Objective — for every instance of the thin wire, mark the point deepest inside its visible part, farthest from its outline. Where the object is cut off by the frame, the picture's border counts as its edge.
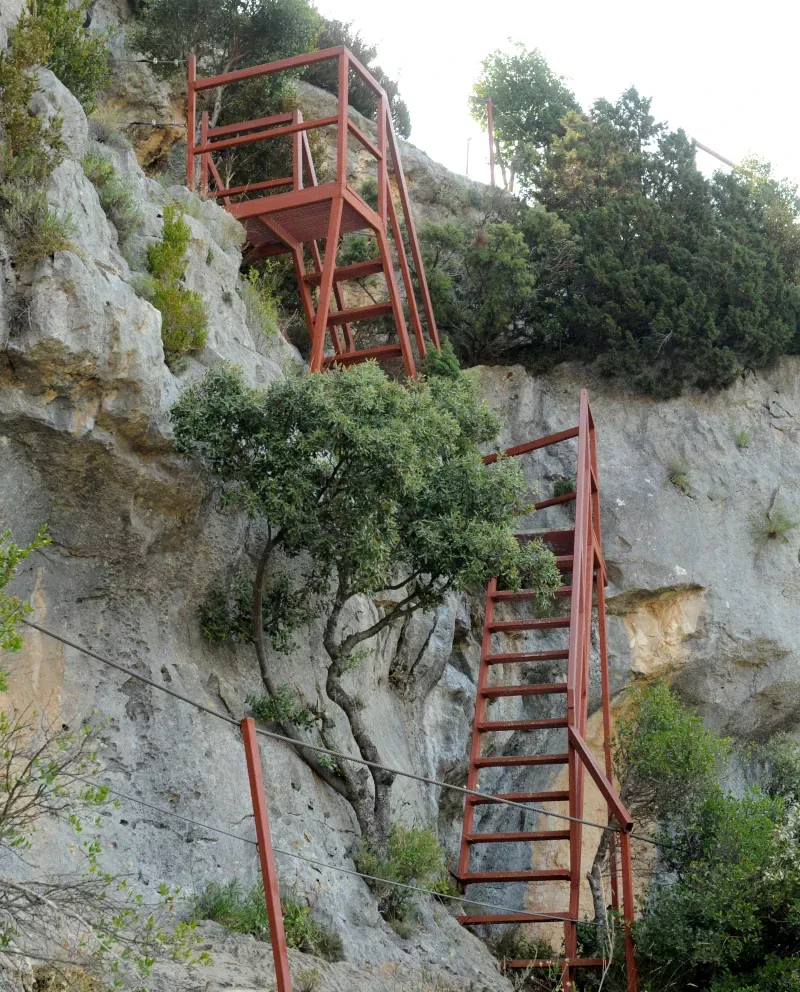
(345, 871)
(271, 735)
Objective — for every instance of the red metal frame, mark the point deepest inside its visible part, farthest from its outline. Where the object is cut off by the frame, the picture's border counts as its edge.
(294, 215)
(266, 856)
(579, 553)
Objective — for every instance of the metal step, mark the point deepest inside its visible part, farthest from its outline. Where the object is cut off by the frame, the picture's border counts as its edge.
(346, 273)
(550, 723)
(514, 760)
(544, 623)
(555, 963)
(555, 501)
(522, 595)
(545, 916)
(359, 313)
(539, 689)
(530, 875)
(350, 357)
(513, 838)
(553, 796)
(515, 657)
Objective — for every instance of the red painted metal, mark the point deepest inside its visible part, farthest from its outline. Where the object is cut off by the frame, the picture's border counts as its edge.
(266, 856)
(579, 552)
(309, 212)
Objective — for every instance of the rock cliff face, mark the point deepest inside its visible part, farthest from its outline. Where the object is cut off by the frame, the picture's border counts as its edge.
(699, 591)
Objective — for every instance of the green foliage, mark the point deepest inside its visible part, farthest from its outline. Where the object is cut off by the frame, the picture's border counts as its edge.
(563, 486)
(782, 757)
(37, 230)
(357, 248)
(246, 912)
(225, 617)
(666, 759)
(529, 103)
(184, 319)
(742, 438)
(679, 476)
(283, 706)
(258, 292)
(666, 278)
(116, 196)
(414, 857)
(515, 944)
(772, 525)
(441, 362)
(13, 609)
(369, 477)
(78, 58)
(363, 99)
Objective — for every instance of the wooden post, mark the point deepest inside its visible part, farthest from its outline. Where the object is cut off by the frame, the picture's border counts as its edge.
(269, 875)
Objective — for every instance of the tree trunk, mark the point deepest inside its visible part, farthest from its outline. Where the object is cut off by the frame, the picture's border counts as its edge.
(326, 774)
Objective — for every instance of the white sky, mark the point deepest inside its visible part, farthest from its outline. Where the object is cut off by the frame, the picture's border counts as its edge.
(726, 72)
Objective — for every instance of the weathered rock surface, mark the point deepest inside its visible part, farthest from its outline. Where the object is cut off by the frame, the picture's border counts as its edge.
(698, 591)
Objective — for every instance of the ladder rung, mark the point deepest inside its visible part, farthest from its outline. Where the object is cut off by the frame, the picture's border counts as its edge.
(544, 623)
(559, 541)
(544, 917)
(556, 963)
(539, 689)
(359, 313)
(558, 796)
(565, 562)
(345, 273)
(512, 657)
(522, 595)
(555, 501)
(512, 838)
(550, 723)
(512, 760)
(530, 875)
(350, 357)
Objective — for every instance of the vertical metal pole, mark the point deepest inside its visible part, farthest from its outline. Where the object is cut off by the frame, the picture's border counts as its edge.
(627, 910)
(383, 164)
(190, 122)
(269, 875)
(297, 153)
(490, 118)
(341, 136)
(205, 156)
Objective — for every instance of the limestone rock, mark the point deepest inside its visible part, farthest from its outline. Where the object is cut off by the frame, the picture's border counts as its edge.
(53, 98)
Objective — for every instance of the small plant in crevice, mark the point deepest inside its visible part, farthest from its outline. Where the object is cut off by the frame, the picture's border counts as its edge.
(285, 704)
(564, 485)
(307, 980)
(184, 318)
(38, 230)
(679, 476)
(58, 978)
(257, 291)
(244, 911)
(772, 525)
(414, 857)
(116, 196)
(742, 438)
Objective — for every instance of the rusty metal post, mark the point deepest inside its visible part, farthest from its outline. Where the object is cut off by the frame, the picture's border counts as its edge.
(269, 875)
(490, 119)
(627, 910)
(206, 156)
(191, 121)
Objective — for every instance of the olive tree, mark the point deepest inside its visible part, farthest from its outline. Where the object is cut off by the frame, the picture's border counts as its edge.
(372, 487)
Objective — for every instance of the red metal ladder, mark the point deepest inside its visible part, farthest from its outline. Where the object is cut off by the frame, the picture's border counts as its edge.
(578, 553)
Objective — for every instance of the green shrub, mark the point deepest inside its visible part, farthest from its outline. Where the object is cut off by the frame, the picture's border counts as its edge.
(116, 196)
(257, 291)
(184, 319)
(284, 705)
(514, 944)
(678, 475)
(78, 58)
(742, 438)
(562, 486)
(414, 857)
(246, 912)
(782, 757)
(37, 229)
(772, 525)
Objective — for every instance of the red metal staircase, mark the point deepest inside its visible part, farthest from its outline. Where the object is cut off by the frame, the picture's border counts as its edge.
(291, 214)
(579, 555)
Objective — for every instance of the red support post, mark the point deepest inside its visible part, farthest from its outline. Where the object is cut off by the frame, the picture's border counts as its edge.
(269, 876)
(205, 158)
(191, 122)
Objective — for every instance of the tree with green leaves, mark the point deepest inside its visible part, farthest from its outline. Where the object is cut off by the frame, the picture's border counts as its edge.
(364, 486)
(529, 101)
(13, 610)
